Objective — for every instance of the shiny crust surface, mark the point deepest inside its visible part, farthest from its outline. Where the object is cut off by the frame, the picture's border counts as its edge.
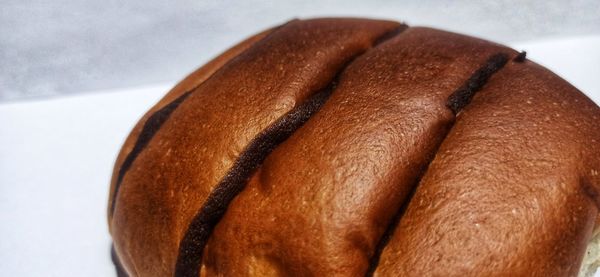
(186, 85)
(199, 142)
(511, 191)
(341, 177)
(379, 171)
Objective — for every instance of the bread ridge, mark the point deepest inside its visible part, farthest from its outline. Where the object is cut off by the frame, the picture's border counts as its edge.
(261, 182)
(290, 50)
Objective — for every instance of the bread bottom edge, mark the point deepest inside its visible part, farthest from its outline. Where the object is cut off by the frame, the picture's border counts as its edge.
(591, 259)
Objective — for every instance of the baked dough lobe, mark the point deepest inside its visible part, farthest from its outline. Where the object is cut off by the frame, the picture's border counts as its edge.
(349, 147)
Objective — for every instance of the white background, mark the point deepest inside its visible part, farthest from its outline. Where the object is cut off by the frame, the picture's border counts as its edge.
(58, 47)
(56, 157)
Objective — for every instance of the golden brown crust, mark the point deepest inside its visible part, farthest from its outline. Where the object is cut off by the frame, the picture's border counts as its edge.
(188, 83)
(196, 146)
(512, 190)
(505, 194)
(341, 177)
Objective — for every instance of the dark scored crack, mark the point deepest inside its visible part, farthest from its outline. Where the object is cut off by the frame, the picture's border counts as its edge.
(156, 120)
(389, 231)
(151, 126)
(520, 57)
(389, 35)
(463, 95)
(192, 245)
(199, 230)
(456, 102)
(590, 191)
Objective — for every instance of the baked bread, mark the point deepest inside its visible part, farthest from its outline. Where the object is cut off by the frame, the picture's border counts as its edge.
(351, 147)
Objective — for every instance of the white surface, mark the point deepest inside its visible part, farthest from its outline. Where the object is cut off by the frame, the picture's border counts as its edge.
(62, 47)
(56, 157)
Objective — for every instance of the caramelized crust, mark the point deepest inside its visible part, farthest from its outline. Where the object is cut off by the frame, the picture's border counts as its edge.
(505, 194)
(196, 146)
(186, 85)
(341, 177)
(349, 147)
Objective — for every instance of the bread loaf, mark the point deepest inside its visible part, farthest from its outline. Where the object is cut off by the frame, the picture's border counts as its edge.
(353, 147)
